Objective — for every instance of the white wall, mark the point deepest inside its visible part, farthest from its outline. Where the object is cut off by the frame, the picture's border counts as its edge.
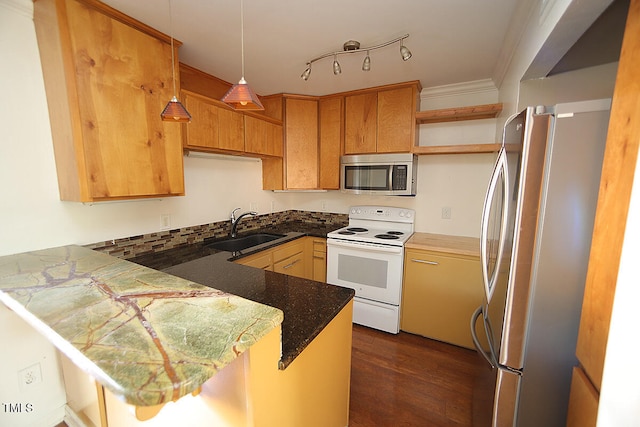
(33, 216)
(620, 392)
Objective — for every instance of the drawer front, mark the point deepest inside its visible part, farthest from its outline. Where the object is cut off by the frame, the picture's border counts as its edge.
(440, 294)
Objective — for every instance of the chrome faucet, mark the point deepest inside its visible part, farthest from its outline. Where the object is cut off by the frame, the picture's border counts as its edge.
(235, 220)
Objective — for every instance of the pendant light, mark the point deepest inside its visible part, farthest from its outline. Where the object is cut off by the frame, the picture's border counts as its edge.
(241, 96)
(174, 111)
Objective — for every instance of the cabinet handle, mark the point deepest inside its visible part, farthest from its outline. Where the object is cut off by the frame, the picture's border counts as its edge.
(422, 261)
(292, 264)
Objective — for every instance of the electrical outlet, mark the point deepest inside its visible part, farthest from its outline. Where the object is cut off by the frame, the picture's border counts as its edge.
(253, 206)
(446, 212)
(165, 222)
(30, 376)
(323, 205)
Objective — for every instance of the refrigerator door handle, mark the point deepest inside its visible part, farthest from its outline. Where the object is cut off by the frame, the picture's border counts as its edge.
(474, 336)
(500, 169)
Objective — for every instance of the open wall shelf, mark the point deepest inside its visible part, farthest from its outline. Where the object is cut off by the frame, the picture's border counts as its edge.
(474, 112)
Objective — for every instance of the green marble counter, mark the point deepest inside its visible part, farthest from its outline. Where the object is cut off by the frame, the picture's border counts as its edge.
(147, 336)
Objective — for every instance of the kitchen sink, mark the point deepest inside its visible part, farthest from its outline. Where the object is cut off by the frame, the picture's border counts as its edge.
(241, 243)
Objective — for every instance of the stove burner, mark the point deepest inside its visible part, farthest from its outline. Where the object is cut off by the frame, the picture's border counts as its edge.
(386, 236)
(346, 232)
(395, 233)
(357, 229)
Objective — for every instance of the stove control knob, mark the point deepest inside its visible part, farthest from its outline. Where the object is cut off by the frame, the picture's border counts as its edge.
(408, 214)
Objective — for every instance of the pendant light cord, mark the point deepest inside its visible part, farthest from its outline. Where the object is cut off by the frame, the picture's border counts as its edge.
(173, 61)
(242, 34)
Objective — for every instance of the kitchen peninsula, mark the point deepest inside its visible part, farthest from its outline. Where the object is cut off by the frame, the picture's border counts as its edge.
(149, 338)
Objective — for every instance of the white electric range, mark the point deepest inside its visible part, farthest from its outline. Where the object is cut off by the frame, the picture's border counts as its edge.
(368, 256)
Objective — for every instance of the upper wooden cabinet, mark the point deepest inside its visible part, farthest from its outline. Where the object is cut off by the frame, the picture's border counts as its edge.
(262, 136)
(214, 125)
(381, 120)
(331, 134)
(301, 143)
(107, 79)
(312, 145)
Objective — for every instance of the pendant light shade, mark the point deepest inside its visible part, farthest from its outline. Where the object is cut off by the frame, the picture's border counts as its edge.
(241, 96)
(174, 111)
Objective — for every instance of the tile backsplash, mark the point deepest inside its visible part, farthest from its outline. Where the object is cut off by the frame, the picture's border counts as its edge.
(130, 247)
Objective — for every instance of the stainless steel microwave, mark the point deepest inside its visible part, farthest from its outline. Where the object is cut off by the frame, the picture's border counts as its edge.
(383, 174)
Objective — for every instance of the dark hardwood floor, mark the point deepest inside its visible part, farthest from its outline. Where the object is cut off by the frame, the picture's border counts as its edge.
(408, 380)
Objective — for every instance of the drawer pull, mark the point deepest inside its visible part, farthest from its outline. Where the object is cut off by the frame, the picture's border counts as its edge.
(292, 264)
(422, 261)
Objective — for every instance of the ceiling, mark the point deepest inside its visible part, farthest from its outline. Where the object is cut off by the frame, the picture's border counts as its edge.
(452, 41)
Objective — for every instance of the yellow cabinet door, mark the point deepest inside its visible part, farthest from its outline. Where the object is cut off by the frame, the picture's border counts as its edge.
(292, 266)
(262, 259)
(441, 292)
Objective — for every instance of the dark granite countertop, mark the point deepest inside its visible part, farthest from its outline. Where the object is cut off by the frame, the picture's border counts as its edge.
(308, 305)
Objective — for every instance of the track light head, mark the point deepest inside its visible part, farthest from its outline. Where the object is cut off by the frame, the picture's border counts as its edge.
(366, 64)
(336, 66)
(305, 75)
(404, 51)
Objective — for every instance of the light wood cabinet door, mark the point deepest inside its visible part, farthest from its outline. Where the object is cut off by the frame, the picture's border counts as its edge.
(291, 266)
(262, 136)
(396, 120)
(107, 82)
(331, 131)
(262, 260)
(301, 143)
(360, 123)
(214, 127)
(441, 292)
(319, 259)
(290, 258)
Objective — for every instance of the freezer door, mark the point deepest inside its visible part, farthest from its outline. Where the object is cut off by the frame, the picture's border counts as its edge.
(506, 398)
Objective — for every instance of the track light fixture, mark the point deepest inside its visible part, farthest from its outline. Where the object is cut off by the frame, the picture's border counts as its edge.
(353, 46)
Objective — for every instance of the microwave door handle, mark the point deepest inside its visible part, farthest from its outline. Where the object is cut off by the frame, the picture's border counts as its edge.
(390, 183)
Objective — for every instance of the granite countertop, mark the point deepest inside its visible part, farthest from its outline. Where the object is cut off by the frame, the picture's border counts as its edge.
(308, 305)
(148, 337)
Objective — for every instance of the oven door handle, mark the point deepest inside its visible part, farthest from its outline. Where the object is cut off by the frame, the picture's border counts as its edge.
(365, 246)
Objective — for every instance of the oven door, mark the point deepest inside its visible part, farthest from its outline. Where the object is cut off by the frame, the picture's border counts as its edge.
(373, 271)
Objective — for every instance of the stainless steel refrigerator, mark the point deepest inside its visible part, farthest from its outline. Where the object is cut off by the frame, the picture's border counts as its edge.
(535, 240)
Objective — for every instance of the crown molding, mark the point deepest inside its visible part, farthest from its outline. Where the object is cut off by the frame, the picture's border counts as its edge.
(459, 89)
(23, 7)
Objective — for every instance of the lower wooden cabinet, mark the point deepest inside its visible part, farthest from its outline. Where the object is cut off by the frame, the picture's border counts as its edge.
(261, 260)
(319, 259)
(441, 292)
(305, 257)
(290, 259)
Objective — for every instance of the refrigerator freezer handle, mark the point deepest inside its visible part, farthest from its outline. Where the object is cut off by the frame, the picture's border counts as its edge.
(474, 336)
